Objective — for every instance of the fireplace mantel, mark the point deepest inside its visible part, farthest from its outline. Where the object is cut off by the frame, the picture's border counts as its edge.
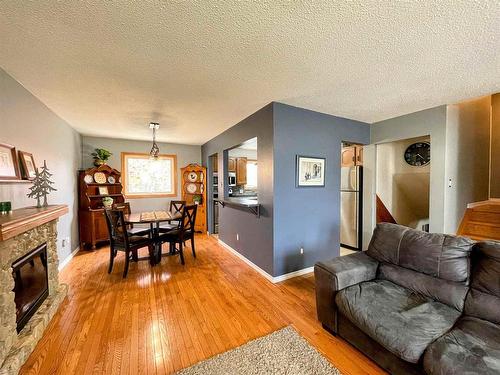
(21, 232)
(24, 219)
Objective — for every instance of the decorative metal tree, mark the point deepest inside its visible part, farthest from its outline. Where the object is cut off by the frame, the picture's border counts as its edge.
(36, 190)
(41, 185)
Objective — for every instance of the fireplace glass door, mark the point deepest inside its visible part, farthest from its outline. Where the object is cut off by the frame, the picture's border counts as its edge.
(30, 284)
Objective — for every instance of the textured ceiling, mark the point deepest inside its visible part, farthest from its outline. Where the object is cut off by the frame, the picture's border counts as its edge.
(198, 67)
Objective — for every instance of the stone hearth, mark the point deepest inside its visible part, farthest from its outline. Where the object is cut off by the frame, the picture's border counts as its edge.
(27, 229)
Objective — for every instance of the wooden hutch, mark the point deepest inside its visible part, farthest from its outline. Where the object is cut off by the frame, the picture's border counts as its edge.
(194, 187)
(95, 184)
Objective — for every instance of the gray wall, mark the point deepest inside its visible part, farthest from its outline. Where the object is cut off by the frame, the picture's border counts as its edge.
(428, 122)
(30, 126)
(186, 154)
(255, 234)
(308, 217)
(467, 158)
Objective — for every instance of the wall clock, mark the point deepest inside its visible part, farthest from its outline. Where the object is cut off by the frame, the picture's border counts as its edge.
(418, 154)
(192, 176)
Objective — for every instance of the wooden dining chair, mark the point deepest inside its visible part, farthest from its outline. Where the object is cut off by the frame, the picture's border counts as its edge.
(133, 231)
(184, 232)
(175, 208)
(120, 239)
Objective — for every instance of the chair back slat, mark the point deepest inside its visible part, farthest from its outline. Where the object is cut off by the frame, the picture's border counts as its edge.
(117, 228)
(188, 219)
(177, 206)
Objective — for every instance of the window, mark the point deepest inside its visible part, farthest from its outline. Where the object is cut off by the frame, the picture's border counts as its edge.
(251, 175)
(144, 177)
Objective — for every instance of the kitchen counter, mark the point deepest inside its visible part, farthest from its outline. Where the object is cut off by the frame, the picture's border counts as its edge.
(252, 204)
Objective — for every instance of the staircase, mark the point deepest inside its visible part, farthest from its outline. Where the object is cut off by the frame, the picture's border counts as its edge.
(481, 221)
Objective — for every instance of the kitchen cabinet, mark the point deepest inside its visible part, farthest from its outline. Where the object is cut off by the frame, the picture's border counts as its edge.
(241, 171)
(348, 158)
(231, 165)
(352, 156)
(359, 155)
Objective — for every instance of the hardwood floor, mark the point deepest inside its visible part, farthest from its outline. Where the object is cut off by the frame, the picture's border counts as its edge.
(162, 319)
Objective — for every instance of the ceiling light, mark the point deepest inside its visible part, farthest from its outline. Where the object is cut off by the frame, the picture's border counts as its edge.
(155, 150)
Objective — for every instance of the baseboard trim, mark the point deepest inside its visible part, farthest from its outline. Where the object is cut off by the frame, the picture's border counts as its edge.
(272, 279)
(290, 275)
(66, 261)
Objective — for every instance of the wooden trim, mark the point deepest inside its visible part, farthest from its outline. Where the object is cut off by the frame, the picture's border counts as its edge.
(14, 161)
(24, 219)
(483, 203)
(148, 195)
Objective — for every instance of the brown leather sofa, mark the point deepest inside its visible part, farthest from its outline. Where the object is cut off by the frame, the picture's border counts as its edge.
(416, 302)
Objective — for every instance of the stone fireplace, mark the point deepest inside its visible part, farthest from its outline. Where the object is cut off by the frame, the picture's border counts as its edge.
(30, 292)
(31, 284)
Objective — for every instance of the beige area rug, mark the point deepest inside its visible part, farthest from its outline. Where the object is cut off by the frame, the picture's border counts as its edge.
(281, 352)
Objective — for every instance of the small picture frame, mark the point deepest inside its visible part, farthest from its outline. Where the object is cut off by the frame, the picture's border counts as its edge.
(9, 169)
(310, 171)
(103, 190)
(28, 166)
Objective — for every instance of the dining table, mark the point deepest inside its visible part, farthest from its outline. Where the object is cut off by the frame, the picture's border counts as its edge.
(154, 219)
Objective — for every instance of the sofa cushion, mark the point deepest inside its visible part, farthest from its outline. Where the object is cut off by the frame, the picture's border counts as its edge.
(438, 255)
(451, 293)
(403, 322)
(483, 301)
(471, 347)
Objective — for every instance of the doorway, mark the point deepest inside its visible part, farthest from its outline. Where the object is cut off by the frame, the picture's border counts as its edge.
(351, 197)
(403, 182)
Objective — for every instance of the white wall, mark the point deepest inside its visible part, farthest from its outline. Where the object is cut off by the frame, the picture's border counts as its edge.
(467, 158)
(431, 122)
(27, 124)
(186, 154)
(404, 189)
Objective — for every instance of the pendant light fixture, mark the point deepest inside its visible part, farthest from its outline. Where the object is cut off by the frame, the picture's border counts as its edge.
(155, 150)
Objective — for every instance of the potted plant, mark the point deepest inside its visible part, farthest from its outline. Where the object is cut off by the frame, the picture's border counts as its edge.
(107, 202)
(197, 199)
(100, 156)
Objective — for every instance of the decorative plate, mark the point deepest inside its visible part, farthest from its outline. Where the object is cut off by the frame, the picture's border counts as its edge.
(111, 180)
(191, 188)
(192, 176)
(100, 177)
(88, 179)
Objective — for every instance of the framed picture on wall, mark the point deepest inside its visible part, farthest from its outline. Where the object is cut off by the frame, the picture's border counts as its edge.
(28, 167)
(8, 163)
(310, 171)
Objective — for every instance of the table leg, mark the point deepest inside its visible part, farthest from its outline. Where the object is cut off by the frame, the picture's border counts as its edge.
(158, 243)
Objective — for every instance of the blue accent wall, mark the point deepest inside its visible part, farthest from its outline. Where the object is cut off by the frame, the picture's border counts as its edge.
(255, 233)
(291, 217)
(308, 217)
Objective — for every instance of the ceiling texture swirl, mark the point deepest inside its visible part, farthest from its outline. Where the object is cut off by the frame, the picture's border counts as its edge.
(199, 67)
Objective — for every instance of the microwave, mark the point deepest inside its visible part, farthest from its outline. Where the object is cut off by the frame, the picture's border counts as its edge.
(231, 179)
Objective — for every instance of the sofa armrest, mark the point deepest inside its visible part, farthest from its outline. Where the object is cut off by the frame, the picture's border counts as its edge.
(337, 274)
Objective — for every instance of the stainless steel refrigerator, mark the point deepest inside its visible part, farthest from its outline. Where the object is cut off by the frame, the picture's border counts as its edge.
(351, 207)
